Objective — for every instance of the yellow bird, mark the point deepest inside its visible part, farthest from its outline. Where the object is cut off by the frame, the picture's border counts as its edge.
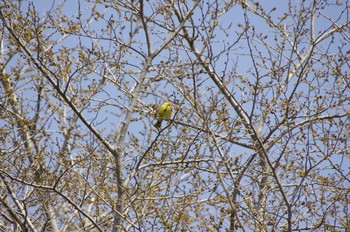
(164, 112)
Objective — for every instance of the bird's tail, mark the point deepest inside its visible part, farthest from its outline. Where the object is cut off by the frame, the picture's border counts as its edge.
(158, 124)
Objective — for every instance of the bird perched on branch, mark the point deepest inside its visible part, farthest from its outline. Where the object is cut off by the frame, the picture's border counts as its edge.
(164, 112)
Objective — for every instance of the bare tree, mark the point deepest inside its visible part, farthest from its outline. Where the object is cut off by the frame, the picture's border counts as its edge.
(258, 139)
